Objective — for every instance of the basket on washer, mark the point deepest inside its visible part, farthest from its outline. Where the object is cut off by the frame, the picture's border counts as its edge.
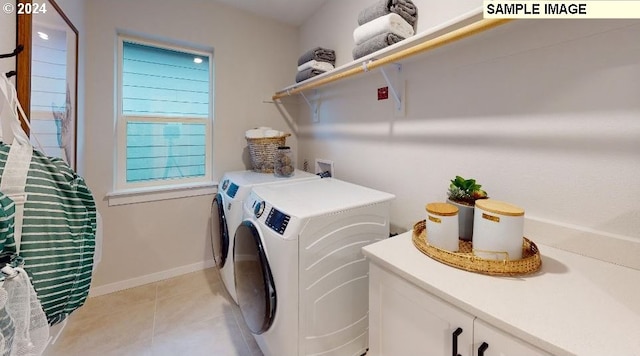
(263, 150)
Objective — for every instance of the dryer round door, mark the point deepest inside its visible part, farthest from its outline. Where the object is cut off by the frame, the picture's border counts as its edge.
(219, 232)
(254, 282)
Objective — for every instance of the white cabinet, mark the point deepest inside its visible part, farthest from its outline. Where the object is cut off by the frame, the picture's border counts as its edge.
(407, 320)
(500, 343)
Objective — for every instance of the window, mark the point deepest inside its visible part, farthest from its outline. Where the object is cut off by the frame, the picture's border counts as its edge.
(164, 128)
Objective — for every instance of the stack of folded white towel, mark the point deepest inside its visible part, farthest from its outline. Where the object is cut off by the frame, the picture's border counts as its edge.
(382, 24)
(315, 62)
(263, 132)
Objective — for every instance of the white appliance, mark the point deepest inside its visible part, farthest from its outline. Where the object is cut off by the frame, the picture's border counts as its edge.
(226, 215)
(301, 278)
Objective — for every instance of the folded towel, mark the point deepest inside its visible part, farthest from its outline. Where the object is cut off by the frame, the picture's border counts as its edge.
(404, 8)
(325, 66)
(307, 73)
(319, 54)
(390, 23)
(376, 43)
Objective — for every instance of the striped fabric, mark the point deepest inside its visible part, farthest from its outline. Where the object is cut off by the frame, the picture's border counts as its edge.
(7, 223)
(58, 234)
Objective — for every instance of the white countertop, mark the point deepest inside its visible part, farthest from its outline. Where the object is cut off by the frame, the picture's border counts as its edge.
(574, 305)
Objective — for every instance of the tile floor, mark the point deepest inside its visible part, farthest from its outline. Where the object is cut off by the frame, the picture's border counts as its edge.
(190, 315)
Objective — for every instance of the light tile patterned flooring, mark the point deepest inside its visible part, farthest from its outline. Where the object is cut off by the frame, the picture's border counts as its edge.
(189, 315)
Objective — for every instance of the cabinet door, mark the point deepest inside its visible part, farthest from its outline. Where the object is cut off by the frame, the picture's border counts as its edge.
(406, 320)
(500, 343)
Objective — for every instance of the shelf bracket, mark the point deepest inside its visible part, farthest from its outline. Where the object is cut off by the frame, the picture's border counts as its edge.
(312, 107)
(396, 87)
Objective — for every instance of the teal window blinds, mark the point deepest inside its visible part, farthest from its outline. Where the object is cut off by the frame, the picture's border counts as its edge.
(165, 102)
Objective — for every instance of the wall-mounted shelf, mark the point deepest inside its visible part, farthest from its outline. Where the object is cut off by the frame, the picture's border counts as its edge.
(464, 26)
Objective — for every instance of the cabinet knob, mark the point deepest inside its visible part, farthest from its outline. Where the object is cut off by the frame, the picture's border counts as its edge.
(454, 342)
(483, 347)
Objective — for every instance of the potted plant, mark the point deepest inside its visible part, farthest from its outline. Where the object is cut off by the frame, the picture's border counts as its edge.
(463, 193)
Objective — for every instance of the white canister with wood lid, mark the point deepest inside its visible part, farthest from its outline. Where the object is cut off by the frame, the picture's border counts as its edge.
(442, 226)
(497, 230)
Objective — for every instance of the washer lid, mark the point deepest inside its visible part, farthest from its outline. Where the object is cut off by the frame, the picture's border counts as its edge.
(244, 178)
(317, 197)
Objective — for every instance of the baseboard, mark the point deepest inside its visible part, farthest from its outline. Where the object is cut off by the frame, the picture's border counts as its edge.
(149, 278)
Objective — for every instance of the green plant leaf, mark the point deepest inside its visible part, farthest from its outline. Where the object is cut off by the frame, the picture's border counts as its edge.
(466, 189)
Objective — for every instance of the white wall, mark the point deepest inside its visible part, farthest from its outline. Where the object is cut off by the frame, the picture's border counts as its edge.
(8, 38)
(252, 57)
(544, 114)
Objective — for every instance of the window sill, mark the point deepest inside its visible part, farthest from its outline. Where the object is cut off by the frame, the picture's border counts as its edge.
(145, 195)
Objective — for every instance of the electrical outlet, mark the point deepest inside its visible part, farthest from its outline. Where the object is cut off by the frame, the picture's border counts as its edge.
(383, 93)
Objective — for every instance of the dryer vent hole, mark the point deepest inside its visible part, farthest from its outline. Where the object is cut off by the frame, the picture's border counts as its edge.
(324, 168)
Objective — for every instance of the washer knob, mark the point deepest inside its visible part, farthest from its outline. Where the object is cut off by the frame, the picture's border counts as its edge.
(259, 209)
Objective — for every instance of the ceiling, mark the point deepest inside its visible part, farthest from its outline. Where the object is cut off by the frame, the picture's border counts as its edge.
(292, 12)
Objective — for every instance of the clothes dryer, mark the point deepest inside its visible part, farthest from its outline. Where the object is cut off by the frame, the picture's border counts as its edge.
(301, 278)
(226, 215)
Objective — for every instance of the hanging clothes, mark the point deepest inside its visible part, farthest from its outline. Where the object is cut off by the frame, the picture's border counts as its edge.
(55, 217)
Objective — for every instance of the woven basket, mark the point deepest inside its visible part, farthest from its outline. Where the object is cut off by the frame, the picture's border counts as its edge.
(466, 260)
(263, 150)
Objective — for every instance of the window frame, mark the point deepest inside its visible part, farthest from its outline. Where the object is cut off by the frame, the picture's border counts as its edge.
(134, 192)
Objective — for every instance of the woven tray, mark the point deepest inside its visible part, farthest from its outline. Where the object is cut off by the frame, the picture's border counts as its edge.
(466, 260)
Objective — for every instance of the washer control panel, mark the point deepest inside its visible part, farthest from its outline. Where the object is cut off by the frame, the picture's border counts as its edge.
(277, 221)
(233, 189)
(272, 219)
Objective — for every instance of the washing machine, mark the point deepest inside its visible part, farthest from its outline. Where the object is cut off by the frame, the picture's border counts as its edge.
(301, 278)
(226, 215)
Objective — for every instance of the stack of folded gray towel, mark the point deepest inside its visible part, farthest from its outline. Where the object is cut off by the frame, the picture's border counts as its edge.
(315, 62)
(382, 24)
